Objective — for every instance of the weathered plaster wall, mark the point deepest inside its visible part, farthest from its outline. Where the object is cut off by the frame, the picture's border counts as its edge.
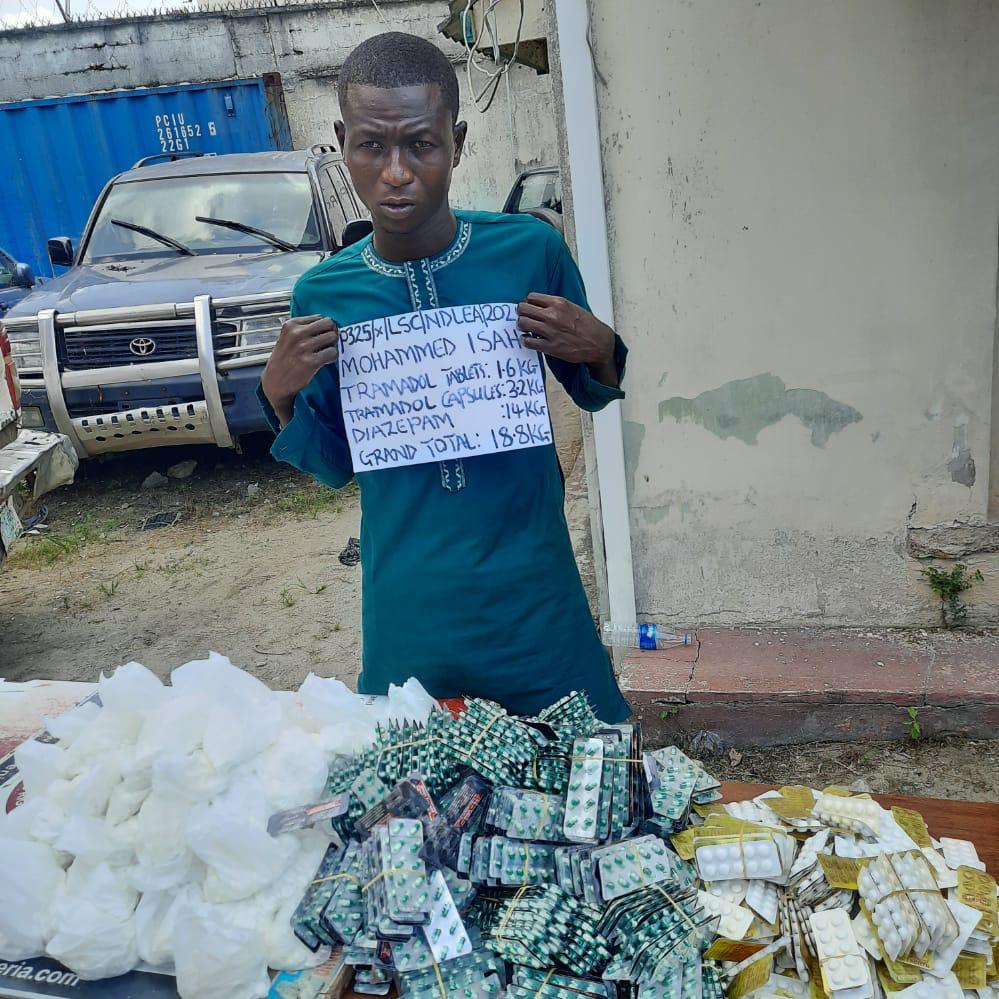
(804, 201)
(306, 44)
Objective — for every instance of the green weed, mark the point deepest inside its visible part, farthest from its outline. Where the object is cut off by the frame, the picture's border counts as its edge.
(949, 586)
(312, 499)
(65, 545)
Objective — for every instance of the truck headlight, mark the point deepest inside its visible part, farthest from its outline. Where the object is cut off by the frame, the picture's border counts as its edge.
(261, 331)
(26, 348)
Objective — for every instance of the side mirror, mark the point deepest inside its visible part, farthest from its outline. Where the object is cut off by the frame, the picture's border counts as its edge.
(24, 276)
(61, 251)
(354, 232)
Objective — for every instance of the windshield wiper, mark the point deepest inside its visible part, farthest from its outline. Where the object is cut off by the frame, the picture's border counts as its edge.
(250, 230)
(158, 236)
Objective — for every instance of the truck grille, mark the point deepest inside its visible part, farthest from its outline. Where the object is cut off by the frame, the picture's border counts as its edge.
(90, 347)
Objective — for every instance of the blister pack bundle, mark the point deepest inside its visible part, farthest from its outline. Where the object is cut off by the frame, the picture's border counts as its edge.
(553, 858)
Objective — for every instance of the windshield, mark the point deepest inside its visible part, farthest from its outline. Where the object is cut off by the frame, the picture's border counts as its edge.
(278, 203)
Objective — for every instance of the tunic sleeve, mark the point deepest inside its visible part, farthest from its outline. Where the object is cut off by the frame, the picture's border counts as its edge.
(566, 281)
(315, 439)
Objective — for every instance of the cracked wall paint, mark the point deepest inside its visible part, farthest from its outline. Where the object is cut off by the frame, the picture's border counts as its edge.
(634, 434)
(743, 408)
(880, 291)
(962, 464)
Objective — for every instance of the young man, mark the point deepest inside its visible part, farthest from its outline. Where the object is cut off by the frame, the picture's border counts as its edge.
(469, 580)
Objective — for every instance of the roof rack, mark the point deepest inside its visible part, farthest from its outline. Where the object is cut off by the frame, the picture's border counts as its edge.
(146, 160)
(321, 148)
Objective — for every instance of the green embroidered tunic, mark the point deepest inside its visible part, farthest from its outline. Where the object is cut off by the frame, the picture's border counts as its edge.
(468, 577)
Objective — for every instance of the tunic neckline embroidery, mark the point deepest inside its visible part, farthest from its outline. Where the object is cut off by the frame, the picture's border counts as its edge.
(389, 268)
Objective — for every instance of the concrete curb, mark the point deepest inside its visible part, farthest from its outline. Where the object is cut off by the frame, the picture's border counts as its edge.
(760, 687)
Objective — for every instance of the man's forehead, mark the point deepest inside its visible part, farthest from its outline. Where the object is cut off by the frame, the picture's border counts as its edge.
(419, 103)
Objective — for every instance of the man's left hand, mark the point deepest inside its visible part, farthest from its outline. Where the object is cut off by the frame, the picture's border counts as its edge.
(559, 328)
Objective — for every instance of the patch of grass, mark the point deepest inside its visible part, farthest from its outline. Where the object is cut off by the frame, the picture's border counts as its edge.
(326, 630)
(312, 499)
(288, 600)
(64, 545)
(110, 589)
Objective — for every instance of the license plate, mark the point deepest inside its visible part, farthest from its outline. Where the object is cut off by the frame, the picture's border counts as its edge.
(10, 524)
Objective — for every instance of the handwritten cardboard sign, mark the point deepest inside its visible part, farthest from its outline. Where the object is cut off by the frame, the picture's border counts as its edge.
(439, 385)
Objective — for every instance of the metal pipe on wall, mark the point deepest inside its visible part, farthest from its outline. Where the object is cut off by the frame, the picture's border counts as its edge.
(582, 132)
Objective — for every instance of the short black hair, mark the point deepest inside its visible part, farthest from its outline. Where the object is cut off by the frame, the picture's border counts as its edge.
(396, 59)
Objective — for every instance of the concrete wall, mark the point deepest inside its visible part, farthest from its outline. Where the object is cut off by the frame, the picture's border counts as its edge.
(306, 44)
(803, 201)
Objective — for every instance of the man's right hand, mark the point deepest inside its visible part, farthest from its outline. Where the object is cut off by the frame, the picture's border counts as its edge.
(306, 344)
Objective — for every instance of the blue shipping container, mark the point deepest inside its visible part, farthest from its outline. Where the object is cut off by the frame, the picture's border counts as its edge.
(58, 153)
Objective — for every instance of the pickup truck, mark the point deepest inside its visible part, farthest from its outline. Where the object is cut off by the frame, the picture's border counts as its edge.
(158, 332)
(32, 462)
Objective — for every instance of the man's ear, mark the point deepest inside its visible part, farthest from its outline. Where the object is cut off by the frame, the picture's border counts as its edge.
(340, 130)
(460, 133)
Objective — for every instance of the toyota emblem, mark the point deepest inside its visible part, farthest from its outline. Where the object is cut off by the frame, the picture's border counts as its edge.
(142, 346)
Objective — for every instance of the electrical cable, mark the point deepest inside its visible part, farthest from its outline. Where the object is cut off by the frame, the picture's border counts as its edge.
(385, 21)
(488, 92)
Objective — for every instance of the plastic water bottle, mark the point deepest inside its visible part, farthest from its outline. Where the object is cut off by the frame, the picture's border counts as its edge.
(640, 636)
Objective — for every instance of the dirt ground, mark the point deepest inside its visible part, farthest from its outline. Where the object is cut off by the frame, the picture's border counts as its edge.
(962, 769)
(255, 577)
(251, 570)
